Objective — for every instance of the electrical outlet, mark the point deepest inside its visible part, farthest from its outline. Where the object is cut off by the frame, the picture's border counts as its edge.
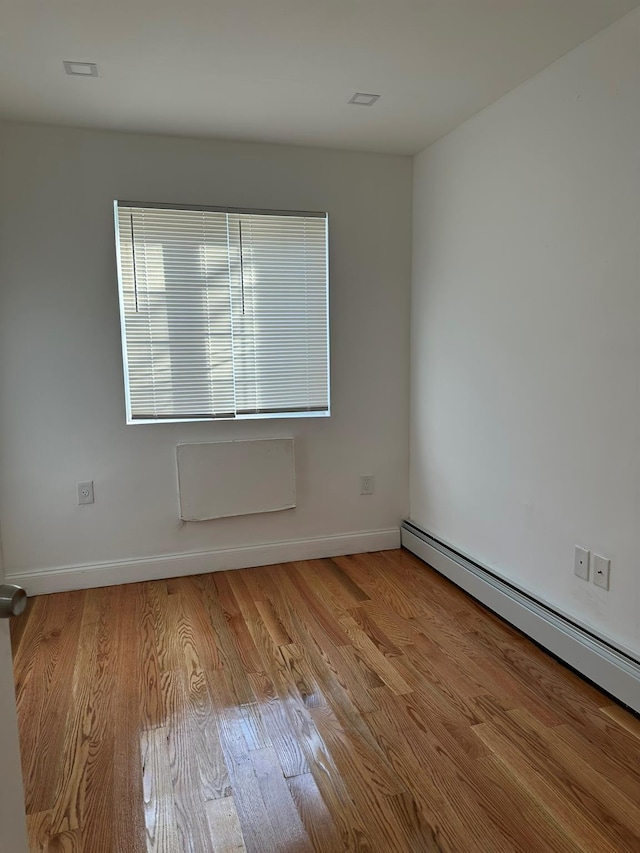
(85, 492)
(601, 569)
(581, 563)
(367, 482)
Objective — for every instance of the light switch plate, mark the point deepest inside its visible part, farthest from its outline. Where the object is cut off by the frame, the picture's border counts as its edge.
(601, 568)
(581, 563)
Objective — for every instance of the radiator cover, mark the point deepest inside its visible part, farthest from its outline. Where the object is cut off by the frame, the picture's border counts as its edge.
(610, 668)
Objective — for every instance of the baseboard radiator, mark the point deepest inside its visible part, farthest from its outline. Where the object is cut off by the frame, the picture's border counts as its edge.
(611, 669)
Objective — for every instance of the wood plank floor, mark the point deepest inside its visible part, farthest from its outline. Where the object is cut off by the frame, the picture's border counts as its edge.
(355, 704)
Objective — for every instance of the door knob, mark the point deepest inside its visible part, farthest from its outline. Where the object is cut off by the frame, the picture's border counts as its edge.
(13, 600)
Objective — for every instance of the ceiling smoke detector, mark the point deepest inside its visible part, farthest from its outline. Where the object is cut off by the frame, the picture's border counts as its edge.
(80, 69)
(362, 99)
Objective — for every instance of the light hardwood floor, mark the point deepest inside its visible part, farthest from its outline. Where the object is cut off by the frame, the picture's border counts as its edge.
(355, 704)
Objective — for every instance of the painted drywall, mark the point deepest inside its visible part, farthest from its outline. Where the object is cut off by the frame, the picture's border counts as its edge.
(525, 389)
(62, 417)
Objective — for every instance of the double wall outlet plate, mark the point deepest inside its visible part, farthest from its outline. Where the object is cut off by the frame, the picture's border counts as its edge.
(367, 484)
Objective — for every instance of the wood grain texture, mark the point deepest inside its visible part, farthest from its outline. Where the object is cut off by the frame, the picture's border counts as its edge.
(224, 826)
(359, 703)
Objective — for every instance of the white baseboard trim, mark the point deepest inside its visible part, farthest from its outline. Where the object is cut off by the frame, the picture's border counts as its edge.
(599, 661)
(64, 578)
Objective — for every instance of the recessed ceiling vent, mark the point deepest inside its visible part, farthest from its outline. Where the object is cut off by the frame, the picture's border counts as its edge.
(80, 69)
(362, 99)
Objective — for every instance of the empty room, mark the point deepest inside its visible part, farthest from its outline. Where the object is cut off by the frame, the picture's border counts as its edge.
(320, 426)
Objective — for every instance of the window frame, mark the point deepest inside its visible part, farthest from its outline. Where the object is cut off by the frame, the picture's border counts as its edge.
(130, 419)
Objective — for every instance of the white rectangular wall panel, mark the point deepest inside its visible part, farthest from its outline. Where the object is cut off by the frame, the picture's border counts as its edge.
(225, 478)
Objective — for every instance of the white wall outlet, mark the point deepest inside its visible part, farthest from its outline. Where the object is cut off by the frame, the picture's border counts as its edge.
(85, 492)
(367, 482)
(581, 563)
(601, 569)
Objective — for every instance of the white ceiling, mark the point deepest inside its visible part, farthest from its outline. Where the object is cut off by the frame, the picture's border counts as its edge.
(282, 70)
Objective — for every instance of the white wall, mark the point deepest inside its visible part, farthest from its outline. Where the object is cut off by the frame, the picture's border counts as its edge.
(525, 424)
(62, 414)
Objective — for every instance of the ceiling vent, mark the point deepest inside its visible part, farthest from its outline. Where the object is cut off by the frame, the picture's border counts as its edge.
(362, 99)
(80, 69)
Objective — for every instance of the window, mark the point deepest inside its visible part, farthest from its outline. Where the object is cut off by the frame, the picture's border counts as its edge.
(224, 312)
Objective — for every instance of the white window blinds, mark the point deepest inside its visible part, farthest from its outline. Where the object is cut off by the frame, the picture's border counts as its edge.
(224, 312)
